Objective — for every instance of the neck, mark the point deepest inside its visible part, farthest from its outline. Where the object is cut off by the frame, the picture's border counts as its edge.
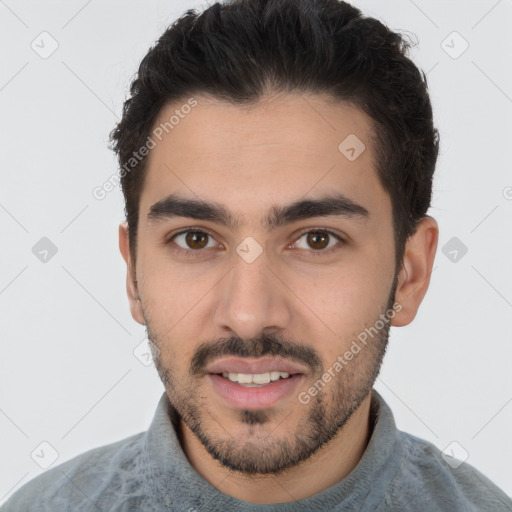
(330, 464)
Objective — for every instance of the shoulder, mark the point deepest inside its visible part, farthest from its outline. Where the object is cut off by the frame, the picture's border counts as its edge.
(425, 477)
(81, 481)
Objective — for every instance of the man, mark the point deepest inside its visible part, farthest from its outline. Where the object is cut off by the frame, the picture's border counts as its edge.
(276, 159)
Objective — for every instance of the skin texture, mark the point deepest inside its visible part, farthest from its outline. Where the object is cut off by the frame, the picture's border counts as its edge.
(302, 298)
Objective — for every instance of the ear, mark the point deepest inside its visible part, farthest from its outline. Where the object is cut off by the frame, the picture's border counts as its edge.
(131, 281)
(414, 276)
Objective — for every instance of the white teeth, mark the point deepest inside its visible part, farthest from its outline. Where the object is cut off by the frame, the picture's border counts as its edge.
(244, 378)
(275, 375)
(255, 378)
(259, 378)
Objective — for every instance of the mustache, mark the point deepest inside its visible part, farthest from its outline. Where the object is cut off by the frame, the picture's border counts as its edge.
(268, 344)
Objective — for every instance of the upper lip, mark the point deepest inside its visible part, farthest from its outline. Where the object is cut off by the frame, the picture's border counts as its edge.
(251, 366)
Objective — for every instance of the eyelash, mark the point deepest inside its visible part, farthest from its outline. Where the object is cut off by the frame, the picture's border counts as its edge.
(318, 252)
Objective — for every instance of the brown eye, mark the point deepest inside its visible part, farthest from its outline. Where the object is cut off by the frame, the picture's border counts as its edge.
(193, 240)
(318, 240)
(196, 239)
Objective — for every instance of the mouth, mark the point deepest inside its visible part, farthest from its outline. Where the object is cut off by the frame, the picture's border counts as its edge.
(255, 367)
(254, 384)
(256, 379)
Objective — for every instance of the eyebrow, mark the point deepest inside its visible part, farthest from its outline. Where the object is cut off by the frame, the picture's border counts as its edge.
(335, 205)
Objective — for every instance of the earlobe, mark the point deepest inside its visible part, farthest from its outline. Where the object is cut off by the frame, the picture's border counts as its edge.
(414, 276)
(131, 281)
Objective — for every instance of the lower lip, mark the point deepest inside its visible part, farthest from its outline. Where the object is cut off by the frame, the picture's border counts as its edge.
(255, 398)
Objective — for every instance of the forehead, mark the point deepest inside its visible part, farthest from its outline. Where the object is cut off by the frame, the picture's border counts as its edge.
(281, 149)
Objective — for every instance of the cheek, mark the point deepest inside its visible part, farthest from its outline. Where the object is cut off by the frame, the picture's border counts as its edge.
(345, 294)
(340, 306)
(173, 292)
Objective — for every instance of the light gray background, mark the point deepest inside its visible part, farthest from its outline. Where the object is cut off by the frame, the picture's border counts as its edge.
(68, 374)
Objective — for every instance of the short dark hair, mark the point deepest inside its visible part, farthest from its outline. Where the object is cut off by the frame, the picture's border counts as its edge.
(241, 50)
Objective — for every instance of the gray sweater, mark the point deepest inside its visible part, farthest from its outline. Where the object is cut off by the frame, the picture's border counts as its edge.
(150, 472)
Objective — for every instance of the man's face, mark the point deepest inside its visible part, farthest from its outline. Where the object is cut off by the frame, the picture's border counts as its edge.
(277, 291)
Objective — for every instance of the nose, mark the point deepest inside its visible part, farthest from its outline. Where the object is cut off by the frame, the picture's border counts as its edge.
(252, 299)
